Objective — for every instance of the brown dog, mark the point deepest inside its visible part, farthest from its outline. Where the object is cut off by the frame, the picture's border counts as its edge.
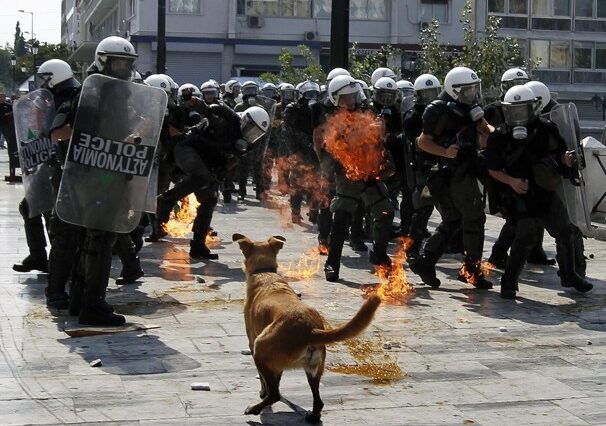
(283, 332)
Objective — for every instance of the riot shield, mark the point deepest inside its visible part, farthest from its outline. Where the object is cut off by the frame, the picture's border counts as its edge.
(572, 191)
(33, 115)
(111, 154)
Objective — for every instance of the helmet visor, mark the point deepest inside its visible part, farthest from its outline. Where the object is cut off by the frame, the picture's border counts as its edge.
(469, 94)
(250, 91)
(385, 97)
(270, 93)
(210, 95)
(519, 114)
(43, 80)
(288, 95)
(250, 130)
(349, 100)
(119, 67)
(506, 85)
(427, 96)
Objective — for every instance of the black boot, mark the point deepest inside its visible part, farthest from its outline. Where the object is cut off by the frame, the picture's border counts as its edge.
(199, 250)
(98, 315)
(471, 273)
(57, 300)
(568, 275)
(130, 274)
(358, 245)
(539, 257)
(508, 289)
(425, 268)
(379, 259)
(35, 261)
(131, 265)
(331, 273)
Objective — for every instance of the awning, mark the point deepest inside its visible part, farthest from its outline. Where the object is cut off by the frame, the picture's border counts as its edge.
(85, 53)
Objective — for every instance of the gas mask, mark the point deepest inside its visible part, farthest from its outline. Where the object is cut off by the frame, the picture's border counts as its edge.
(518, 116)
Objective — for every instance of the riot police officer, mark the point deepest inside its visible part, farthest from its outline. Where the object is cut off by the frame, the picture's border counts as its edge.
(417, 163)
(518, 157)
(345, 94)
(303, 163)
(56, 76)
(232, 91)
(452, 127)
(114, 57)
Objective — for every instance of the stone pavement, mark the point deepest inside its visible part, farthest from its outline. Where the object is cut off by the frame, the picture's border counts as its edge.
(457, 356)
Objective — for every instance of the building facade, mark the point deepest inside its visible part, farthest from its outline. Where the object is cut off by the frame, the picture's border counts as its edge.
(225, 38)
(221, 39)
(568, 36)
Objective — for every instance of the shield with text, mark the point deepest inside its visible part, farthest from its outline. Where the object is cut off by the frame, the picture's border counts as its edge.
(111, 154)
(33, 114)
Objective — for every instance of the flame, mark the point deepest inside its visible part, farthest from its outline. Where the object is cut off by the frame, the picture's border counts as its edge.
(299, 175)
(323, 249)
(355, 139)
(305, 268)
(470, 277)
(212, 240)
(181, 219)
(393, 288)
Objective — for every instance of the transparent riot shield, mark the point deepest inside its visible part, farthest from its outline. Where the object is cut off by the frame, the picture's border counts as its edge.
(33, 115)
(573, 191)
(111, 154)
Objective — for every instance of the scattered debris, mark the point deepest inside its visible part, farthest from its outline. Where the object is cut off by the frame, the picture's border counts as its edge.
(246, 352)
(387, 345)
(200, 386)
(591, 256)
(589, 342)
(96, 363)
(200, 280)
(503, 329)
(299, 294)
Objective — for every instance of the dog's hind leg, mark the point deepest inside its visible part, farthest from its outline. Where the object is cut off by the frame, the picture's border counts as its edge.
(314, 374)
(270, 382)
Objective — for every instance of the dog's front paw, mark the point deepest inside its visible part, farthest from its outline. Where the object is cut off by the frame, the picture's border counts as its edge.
(311, 417)
(255, 410)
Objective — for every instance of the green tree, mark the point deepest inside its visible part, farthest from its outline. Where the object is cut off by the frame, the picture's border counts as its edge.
(19, 44)
(489, 54)
(289, 73)
(361, 65)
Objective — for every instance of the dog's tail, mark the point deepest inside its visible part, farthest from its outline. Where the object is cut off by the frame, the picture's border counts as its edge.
(350, 329)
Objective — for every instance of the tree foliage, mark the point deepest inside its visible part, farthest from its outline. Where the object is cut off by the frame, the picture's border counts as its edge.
(488, 54)
(289, 73)
(361, 65)
(19, 43)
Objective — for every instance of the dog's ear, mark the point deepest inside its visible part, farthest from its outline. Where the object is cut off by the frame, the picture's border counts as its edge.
(276, 242)
(246, 245)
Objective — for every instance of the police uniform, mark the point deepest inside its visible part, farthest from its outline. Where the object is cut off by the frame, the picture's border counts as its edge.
(349, 194)
(417, 167)
(204, 156)
(454, 189)
(537, 160)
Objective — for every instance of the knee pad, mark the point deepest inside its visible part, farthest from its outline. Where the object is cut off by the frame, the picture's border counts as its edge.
(24, 209)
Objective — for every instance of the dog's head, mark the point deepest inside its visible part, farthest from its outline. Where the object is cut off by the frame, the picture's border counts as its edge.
(259, 255)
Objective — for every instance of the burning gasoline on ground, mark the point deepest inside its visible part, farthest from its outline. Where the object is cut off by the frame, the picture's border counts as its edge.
(393, 288)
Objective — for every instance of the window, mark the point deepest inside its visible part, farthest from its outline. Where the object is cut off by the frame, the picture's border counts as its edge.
(583, 53)
(297, 8)
(559, 54)
(184, 6)
(551, 7)
(540, 49)
(600, 56)
(496, 6)
(518, 6)
(132, 4)
(371, 10)
(434, 9)
(584, 8)
(601, 9)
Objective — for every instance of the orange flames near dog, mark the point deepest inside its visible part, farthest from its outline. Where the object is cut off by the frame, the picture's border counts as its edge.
(393, 288)
(355, 139)
(182, 218)
(305, 268)
(486, 268)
